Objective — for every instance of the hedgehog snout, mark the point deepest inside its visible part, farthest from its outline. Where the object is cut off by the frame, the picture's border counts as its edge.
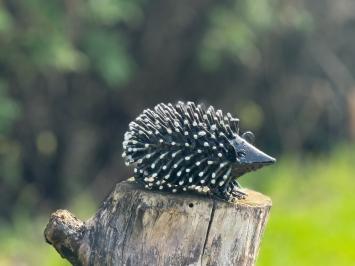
(251, 157)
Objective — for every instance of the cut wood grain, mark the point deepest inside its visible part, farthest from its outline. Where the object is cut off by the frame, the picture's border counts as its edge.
(135, 226)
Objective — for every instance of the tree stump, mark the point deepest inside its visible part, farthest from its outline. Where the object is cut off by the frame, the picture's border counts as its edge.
(135, 226)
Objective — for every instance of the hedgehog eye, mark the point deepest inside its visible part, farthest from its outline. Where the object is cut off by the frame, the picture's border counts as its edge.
(241, 154)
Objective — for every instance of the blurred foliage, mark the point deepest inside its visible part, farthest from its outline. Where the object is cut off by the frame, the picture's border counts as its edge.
(67, 36)
(9, 109)
(311, 221)
(237, 28)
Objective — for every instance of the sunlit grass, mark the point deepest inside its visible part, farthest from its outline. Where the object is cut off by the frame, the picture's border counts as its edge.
(22, 242)
(312, 220)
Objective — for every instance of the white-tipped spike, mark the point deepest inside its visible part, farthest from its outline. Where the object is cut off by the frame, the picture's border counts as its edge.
(149, 179)
(123, 154)
(181, 182)
(195, 136)
(175, 165)
(186, 133)
(146, 145)
(221, 183)
(213, 175)
(152, 165)
(167, 176)
(202, 133)
(126, 163)
(184, 188)
(169, 131)
(220, 155)
(209, 162)
(213, 181)
(135, 170)
(194, 124)
(161, 140)
(213, 127)
(187, 144)
(161, 187)
(164, 167)
(200, 174)
(198, 163)
(225, 177)
(206, 144)
(187, 170)
(187, 158)
(190, 180)
(173, 143)
(174, 190)
(178, 173)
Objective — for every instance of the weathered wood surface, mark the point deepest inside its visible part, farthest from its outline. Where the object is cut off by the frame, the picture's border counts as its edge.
(139, 227)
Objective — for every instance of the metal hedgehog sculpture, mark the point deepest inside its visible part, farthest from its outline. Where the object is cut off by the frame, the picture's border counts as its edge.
(187, 147)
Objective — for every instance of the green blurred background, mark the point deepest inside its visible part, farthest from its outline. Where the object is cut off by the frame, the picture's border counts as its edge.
(73, 73)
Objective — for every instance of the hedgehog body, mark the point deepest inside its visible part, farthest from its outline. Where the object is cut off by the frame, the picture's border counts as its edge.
(187, 147)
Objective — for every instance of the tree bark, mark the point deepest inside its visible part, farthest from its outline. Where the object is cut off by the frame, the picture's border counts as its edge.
(135, 226)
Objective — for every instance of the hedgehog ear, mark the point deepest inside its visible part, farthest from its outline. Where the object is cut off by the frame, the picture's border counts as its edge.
(249, 137)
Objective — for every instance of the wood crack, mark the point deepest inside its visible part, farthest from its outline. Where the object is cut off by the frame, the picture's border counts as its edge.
(126, 232)
(208, 229)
